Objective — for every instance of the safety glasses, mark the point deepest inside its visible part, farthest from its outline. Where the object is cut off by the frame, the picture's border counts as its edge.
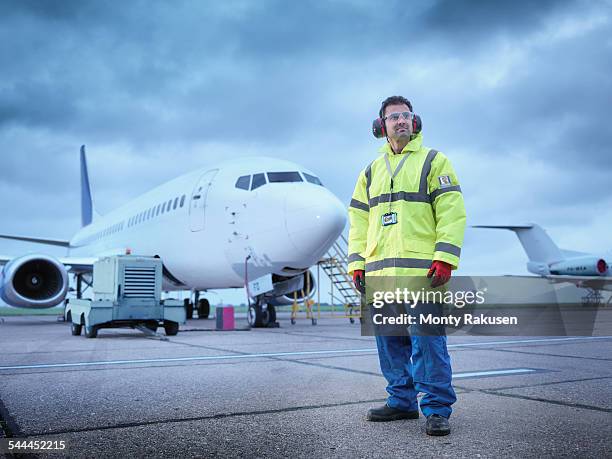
(396, 116)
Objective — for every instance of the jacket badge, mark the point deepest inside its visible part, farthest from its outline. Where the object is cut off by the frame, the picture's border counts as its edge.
(445, 181)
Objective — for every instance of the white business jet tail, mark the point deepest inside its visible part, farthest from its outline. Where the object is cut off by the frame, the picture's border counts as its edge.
(537, 244)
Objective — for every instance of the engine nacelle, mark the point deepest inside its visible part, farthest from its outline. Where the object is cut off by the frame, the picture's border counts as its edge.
(586, 266)
(286, 288)
(34, 281)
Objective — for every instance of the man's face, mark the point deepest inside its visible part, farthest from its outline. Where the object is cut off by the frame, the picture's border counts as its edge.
(401, 128)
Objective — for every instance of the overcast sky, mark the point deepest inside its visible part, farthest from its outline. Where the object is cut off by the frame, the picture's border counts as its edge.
(517, 94)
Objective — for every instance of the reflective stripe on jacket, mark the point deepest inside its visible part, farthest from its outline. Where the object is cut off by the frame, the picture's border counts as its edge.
(430, 213)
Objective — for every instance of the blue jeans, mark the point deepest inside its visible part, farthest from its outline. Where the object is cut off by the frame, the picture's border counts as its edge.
(413, 364)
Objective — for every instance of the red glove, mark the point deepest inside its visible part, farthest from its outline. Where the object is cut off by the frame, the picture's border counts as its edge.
(359, 280)
(441, 272)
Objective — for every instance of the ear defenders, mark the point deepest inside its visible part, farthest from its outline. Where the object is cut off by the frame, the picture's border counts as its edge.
(379, 129)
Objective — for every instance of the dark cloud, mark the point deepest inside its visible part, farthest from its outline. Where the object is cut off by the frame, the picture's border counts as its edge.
(185, 70)
(65, 10)
(467, 20)
(87, 66)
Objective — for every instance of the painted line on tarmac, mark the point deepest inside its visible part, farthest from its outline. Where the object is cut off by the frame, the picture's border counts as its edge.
(542, 340)
(188, 359)
(269, 354)
(510, 371)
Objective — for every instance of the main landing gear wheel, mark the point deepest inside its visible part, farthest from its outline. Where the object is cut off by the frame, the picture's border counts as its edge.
(258, 316)
(188, 308)
(203, 309)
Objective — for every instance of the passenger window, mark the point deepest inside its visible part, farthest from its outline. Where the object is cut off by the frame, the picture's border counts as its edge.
(175, 203)
(312, 179)
(243, 182)
(279, 177)
(182, 200)
(169, 205)
(258, 180)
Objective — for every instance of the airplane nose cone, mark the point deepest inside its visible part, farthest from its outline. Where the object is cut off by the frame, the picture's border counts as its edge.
(314, 221)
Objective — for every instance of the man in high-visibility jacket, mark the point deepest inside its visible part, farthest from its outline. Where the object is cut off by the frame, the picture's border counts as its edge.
(407, 218)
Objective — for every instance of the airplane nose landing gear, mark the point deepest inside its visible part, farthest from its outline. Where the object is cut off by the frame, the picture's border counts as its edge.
(260, 316)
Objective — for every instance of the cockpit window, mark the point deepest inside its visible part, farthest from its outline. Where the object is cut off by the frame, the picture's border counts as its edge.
(258, 180)
(279, 177)
(312, 179)
(243, 182)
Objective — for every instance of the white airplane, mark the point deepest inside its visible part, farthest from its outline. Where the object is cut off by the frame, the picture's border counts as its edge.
(217, 227)
(563, 266)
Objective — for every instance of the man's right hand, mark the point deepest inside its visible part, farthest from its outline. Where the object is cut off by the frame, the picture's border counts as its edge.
(359, 280)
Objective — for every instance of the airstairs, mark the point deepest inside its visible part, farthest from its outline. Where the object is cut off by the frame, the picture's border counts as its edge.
(342, 290)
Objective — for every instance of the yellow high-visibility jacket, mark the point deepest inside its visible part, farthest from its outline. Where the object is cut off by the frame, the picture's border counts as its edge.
(430, 213)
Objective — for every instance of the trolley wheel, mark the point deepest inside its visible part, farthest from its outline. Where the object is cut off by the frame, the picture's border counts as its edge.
(352, 320)
(91, 332)
(292, 321)
(171, 328)
(75, 329)
(314, 321)
(203, 308)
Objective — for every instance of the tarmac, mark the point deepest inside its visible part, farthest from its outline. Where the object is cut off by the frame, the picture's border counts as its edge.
(298, 390)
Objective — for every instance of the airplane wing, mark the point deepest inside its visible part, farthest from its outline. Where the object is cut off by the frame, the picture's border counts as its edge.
(73, 264)
(36, 240)
(78, 264)
(595, 283)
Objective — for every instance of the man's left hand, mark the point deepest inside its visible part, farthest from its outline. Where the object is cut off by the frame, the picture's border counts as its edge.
(441, 272)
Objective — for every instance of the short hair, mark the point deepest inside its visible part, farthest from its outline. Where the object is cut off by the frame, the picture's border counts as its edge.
(393, 100)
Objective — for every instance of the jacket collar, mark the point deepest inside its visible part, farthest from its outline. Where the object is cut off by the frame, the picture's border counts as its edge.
(414, 145)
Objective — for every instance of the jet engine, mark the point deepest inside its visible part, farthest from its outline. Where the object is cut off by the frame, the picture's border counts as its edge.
(286, 288)
(586, 266)
(33, 281)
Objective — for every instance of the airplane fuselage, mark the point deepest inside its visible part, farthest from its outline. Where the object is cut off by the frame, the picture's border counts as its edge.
(204, 227)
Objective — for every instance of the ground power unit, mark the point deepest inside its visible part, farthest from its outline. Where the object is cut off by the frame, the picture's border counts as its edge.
(126, 293)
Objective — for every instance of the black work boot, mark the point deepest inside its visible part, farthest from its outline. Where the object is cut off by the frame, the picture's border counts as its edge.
(386, 413)
(437, 425)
